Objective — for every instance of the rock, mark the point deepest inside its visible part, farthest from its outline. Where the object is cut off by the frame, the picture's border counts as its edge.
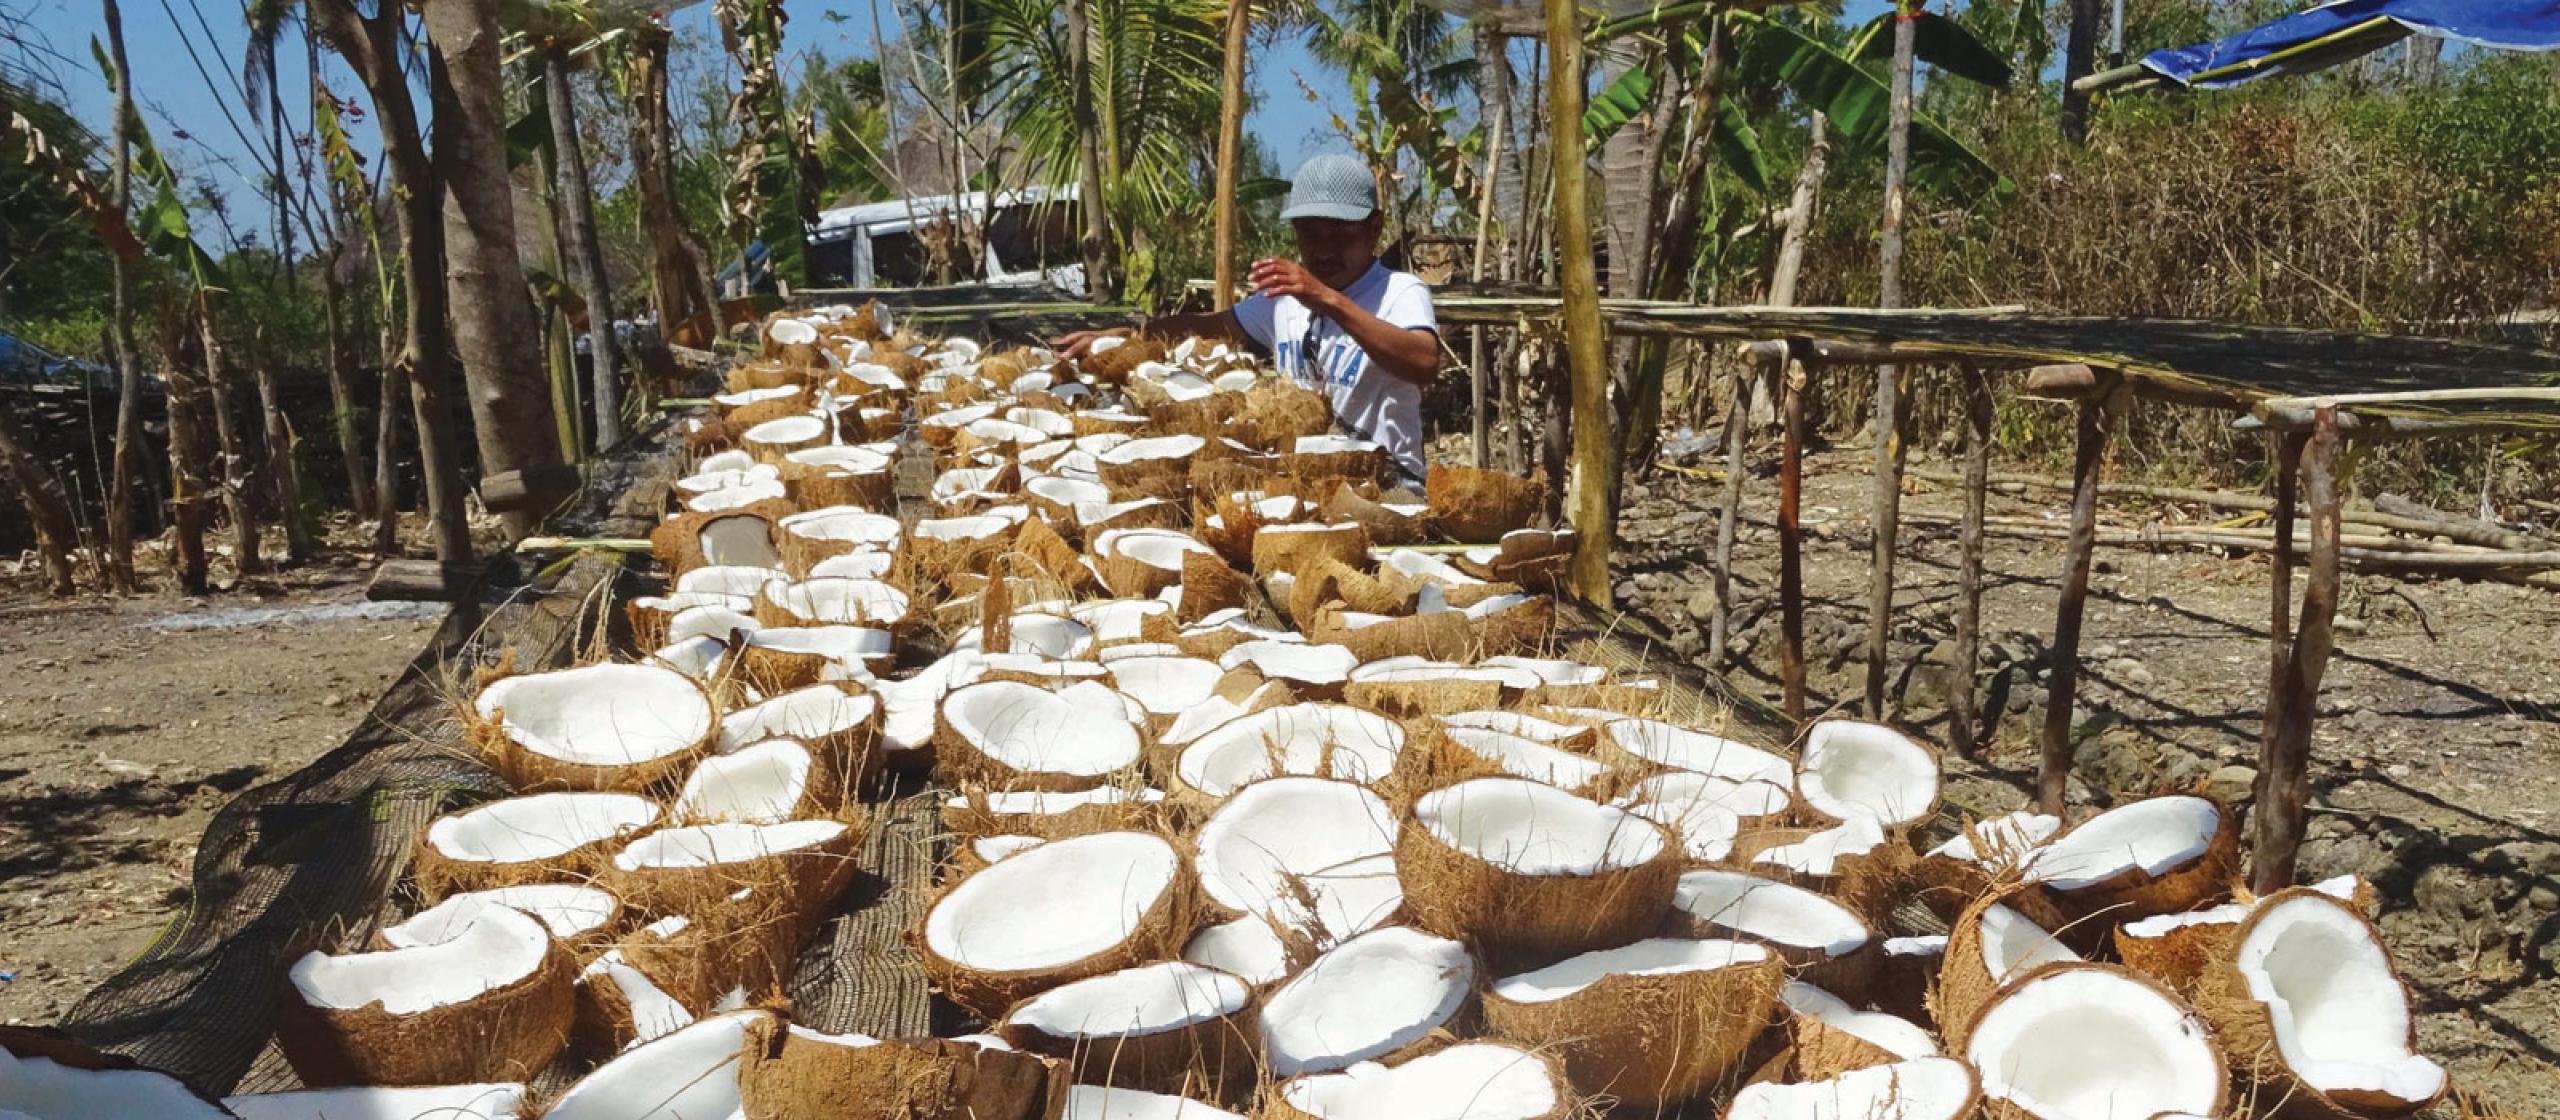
(1701, 605)
(2128, 672)
(2231, 785)
(1943, 653)
(2539, 859)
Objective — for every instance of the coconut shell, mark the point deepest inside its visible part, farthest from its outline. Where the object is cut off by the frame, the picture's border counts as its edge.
(1276, 412)
(746, 416)
(1479, 506)
(1518, 918)
(677, 541)
(2179, 957)
(776, 671)
(1964, 984)
(1114, 365)
(1822, 1051)
(1052, 557)
(1131, 578)
(507, 1033)
(1209, 586)
(939, 560)
(2247, 1031)
(1870, 885)
(1277, 1107)
(1417, 699)
(2134, 895)
(799, 881)
(1158, 935)
(730, 945)
(1647, 1040)
(1521, 628)
(1299, 550)
(959, 762)
(439, 875)
(785, 1078)
(530, 772)
(1206, 1057)
(974, 819)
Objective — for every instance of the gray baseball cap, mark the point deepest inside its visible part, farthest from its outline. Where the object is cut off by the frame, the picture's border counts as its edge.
(1333, 186)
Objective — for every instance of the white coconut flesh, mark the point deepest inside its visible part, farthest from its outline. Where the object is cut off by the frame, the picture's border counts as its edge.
(1165, 686)
(2004, 839)
(712, 845)
(652, 1012)
(691, 1074)
(2153, 836)
(791, 332)
(43, 1089)
(2012, 945)
(810, 713)
(1682, 748)
(744, 541)
(439, 1102)
(844, 523)
(1413, 667)
(1133, 1002)
(522, 829)
(861, 563)
(1851, 769)
(1333, 740)
(1550, 670)
(760, 784)
(845, 644)
(1153, 449)
(992, 848)
(1928, 946)
(787, 429)
(1303, 662)
(1113, 1102)
(2091, 1043)
(959, 417)
(1530, 828)
(1424, 565)
(1281, 845)
(853, 460)
(1332, 445)
(1770, 911)
(1068, 492)
(1162, 549)
(1365, 998)
(600, 715)
(1492, 604)
(1519, 724)
(1920, 1089)
(1042, 803)
(1118, 620)
(1081, 731)
(1247, 947)
(2342, 888)
(1528, 758)
(2341, 1018)
(741, 583)
(1668, 795)
(1822, 852)
(738, 495)
(1090, 514)
(724, 623)
(1048, 635)
(567, 910)
(960, 482)
(497, 947)
(1470, 1081)
(698, 657)
(977, 527)
(685, 600)
(1655, 956)
(1114, 653)
(1894, 1034)
(844, 602)
(1054, 905)
(758, 475)
(732, 460)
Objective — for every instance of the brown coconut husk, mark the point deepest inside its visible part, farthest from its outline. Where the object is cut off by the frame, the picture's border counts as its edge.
(1158, 935)
(1386, 527)
(1414, 700)
(1524, 628)
(820, 487)
(1050, 556)
(650, 622)
(1479, 506)
(1518, 918)
(1113, 366)
(1870, 885)
(2180, 957)
(1275, 412)
(797, 882)
(2247, 1031)
(707, 434)
(1319, 472)
(1820, 1051)
(508, 1033)
(1387, 591)
(734, 945)
(973, 819)
(763, 373)
(1298, 550)
(746, 416)
(939, 560)
(1105, 423)
(1209, 586)
(1648, 1041)
(776, 671)
(1440, 635)
(1131, 578)
(800, 554)
(1153, 515)
(1964, 982)
(1206, 1057)
(677, 541)
(785, 1078)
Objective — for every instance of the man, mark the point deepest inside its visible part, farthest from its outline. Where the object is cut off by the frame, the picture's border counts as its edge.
(1334, 320)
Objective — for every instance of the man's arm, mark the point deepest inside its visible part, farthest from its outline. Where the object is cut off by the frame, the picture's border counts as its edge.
(1408, 353)
(1218, 325)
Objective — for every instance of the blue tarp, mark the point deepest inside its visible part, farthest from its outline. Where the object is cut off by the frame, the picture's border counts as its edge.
(2333, 33)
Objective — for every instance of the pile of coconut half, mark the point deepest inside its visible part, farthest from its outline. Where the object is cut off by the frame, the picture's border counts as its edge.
(1267, 792)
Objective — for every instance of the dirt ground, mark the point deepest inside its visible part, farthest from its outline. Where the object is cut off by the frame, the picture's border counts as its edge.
(2437, 756)
(124, 724)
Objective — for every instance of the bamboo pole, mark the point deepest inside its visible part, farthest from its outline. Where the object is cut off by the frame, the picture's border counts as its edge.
(1963, 721)
(2284, 774)
(2478, 533)
(1791, 539)
(1585, 344)
(1231, 150)
(2054, 769)
(576, 210)
(1496, 129)
(1888, 472)
(1720, 625)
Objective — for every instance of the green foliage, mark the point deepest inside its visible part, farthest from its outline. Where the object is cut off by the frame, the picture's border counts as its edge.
(1154, 71)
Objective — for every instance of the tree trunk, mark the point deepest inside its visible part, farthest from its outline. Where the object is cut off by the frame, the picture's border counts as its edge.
(1586, 347)
(1887, 517)
(42, 498)
(493, 327)
(2079, 60)
(119, 558)
(680, 284)
(188, 560)
(1801, 209)
(345, 413)
(281, 461)
(577, 204)
(1493, 87)
(1231, 151)
(1673, 252)
(373, 46)
(237, 484)
(1101, 280)
(559, 350)
(386, 459)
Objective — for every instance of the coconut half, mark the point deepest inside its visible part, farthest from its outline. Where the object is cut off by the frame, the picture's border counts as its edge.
(1011, 735)
(1525, 868)
(1831, 1036)
(1522, 757)
(1366, 998)
(1657, 746)
(603, 726)
(1320, 740)
(1156, 1025)
(1989, 944)
(2161, 855)
(1166, 686)
(691, 1074)
(556, 836)
(1705, 811)
(790, 1071)
(574, 914)
(839, 726)
(1320, 669)
(1921, 1089)
(1310, 853)
(1061, 912)
(1855, 770)
(2094, 1042)
(440, 1102)
(1654, 1022)
(1469, 1081)
(772, 781)
(1566, 735)
(803, 864)
(1247, 947)
(491, 1003)
(2175, 949)
(2308, 996)
(1808, 930)
(45, 1075)
(1112, 1102)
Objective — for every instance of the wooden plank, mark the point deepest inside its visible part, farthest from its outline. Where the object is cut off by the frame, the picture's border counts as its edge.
(421, 581)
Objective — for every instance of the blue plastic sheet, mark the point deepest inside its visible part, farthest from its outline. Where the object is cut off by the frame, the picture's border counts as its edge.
(2333, 33)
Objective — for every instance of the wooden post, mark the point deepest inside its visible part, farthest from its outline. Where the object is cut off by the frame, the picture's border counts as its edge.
(1791, 535)
(1963, 721)
(1497, 127)
(1585, 347)
(2284, 773)
(2054, 773)
(576, 209)
(1887, 518)
(2288, 455)
(1720, 625)
(1231, 149)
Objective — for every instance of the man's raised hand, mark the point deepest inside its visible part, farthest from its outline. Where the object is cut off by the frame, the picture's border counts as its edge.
(1279, 276)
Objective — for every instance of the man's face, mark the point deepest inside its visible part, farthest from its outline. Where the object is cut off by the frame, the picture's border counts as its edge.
(1337, 252)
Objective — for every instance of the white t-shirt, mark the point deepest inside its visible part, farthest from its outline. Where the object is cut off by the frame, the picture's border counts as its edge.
(1315, 352)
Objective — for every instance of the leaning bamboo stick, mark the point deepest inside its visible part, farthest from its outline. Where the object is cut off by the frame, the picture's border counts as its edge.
(2438, 558)
(2467, 532)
